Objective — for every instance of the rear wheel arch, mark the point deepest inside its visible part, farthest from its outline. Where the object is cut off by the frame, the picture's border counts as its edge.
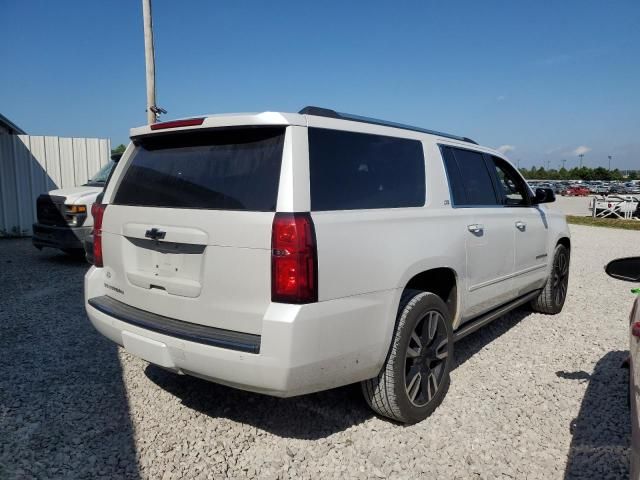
(442, 281)
(566, 241)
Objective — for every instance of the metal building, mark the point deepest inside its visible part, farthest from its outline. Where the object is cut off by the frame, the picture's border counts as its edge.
(32, 164)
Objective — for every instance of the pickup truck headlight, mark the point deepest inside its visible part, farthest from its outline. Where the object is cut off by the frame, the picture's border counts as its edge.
(75, 214)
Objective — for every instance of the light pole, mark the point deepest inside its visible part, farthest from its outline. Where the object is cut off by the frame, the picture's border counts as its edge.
(609, 157)
(153, 111)
(563, 161)
(581, 157)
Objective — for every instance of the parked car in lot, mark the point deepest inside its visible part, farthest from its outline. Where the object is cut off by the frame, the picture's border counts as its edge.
(628, 269)
(576, 191)
(632, 188)
(64, 215)
(290, 253)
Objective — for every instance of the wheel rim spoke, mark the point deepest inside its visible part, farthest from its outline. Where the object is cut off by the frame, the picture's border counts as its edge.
(433, 325)
(432, 385)
(414, 386)
(416, 338)
(412, 352)
(441, 350)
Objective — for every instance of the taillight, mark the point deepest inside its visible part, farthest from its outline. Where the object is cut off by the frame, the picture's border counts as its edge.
(294, 259)
(97, 212)
(189, 122)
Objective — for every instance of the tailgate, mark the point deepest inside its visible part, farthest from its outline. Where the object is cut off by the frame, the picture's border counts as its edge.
(188, 232)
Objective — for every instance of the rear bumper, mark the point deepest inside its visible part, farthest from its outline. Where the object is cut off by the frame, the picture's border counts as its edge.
(302, 348)
(59, 237)
(217, 337)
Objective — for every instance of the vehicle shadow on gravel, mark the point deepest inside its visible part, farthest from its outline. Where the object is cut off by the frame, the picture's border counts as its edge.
(307, 417)
(64, 411)
(601, 431)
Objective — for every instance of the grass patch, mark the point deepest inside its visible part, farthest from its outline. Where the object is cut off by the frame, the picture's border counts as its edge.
(604, 222)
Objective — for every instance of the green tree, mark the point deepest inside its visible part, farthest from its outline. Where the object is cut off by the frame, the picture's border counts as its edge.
(119, 149)
(563, 174)
(600, 173)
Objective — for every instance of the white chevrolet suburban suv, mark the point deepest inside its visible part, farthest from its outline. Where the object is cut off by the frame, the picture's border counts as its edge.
(290, 253)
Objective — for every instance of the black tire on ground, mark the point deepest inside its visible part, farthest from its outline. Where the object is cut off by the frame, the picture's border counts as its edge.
(74, 252)
(553, 295)
(415, 377)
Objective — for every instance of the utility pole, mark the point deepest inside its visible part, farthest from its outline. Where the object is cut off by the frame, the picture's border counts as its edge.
(150, 62)
(609, 157)
(581, 157)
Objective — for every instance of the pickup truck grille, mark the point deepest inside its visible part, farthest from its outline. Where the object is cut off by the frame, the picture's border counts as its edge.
(49, 209)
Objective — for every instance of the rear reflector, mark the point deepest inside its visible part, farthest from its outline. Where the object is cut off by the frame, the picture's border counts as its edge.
(190, 122)
(294, 259)
(97, 212)
(635, 329)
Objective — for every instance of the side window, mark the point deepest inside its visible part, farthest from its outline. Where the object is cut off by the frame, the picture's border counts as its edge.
(351, 171)
(467, 171)
(459, 197)
(513, 189)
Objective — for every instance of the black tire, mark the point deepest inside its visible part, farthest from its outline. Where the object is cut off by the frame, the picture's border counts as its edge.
(399, 391)
(76, 253)
(553, 295)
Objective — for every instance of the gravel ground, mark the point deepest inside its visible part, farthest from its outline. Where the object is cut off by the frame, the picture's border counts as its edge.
(532, 396)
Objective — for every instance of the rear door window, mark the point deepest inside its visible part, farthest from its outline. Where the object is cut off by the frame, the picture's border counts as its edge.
(222, 169)
(352, 170)
(456, 186)
(467, 172)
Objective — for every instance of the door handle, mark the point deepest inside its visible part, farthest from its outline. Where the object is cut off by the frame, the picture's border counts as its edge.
(475, 228)
(521, 226)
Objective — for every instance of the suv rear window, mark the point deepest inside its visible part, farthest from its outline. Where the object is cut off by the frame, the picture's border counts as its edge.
(360, 171)
(223, 169)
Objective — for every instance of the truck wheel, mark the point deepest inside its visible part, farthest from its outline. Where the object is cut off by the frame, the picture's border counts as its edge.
(76, 253)
(415, 377)
(553, 295)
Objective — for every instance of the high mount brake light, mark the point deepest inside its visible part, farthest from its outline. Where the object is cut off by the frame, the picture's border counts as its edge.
(190, 122)
(294, 259)
(97, 212)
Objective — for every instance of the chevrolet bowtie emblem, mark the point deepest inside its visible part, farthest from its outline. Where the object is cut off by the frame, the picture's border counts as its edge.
(155, 234)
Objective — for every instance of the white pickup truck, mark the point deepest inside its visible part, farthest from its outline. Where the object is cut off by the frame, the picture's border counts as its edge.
(64, 215)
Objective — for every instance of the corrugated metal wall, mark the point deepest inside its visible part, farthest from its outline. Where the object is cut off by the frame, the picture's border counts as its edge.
(31, 165)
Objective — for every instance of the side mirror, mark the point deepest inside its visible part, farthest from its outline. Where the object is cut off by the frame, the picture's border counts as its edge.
(544, 195)
(116, 157)
(624, 269)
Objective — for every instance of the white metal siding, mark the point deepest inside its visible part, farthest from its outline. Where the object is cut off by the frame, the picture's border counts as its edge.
(31, 165)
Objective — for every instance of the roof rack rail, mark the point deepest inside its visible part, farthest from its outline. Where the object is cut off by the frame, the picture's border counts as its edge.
(326, 112)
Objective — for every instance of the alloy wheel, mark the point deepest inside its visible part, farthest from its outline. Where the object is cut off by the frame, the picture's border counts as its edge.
(560, 277)
(425, 359)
